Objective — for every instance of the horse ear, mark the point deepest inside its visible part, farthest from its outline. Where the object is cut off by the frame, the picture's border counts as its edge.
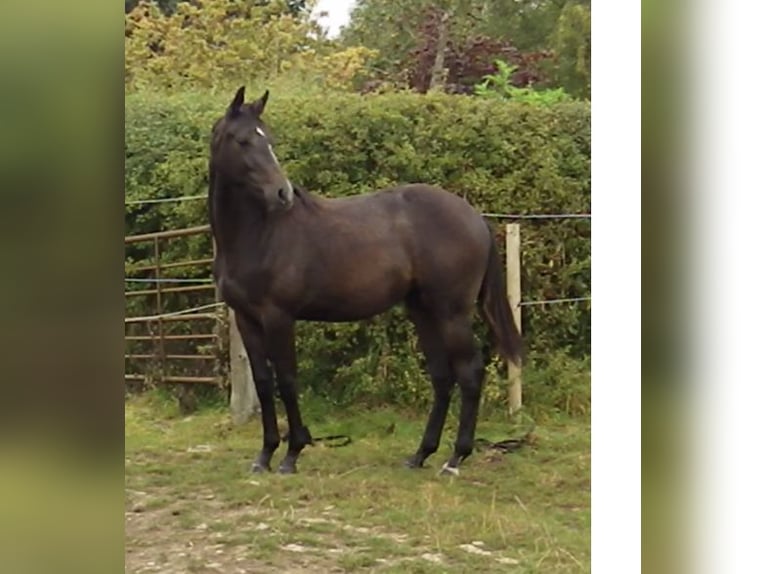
(236, 103)
(261, 103)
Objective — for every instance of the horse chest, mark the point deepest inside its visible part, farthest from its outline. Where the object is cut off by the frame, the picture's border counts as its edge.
(243, 290)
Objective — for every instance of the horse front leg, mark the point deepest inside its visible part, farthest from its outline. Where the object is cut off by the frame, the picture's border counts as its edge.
(281, 338)
(253, 339)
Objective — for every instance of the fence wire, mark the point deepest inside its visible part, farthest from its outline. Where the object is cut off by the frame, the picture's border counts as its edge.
(164, 199)
(165, 280)
(537, 215)
(213, 305)
(490, 215)
(172, 313)
(553, 301)
(506, 216)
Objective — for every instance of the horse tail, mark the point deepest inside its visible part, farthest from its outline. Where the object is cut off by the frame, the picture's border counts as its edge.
(495, 309)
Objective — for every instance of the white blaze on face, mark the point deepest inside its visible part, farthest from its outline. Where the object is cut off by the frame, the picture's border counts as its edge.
(261, 133)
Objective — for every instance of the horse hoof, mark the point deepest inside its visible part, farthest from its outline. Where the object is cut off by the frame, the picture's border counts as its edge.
(448, 470)
(413, 462)
(258, 468)
(287, 468)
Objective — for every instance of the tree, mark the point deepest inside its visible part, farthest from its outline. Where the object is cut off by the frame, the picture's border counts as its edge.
(387, 26)
(217, 42)
(167, 6)
(457, 60)
(294, 7)
(571, 42)
(394, 28)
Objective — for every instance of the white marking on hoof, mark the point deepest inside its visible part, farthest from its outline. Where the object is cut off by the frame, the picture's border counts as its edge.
(447, 469)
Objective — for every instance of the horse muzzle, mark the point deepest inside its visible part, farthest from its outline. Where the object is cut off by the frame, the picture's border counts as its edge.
(285, 195)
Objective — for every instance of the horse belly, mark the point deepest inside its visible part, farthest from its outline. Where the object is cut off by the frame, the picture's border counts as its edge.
(357, 298)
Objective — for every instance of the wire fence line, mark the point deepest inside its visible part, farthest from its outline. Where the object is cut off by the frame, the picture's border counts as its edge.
(209, 281)
(164, 199)
(166, 280)
(173, 313)
(537, 215)
(221, 304)
(490, 215)
(554, 301)
(506, 216)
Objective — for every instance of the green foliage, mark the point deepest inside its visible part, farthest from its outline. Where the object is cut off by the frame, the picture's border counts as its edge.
(226, 42)
(394, 27)
(557, 383)
(571, 41)
(389, 27)
(501, 156)
(167, 6)
(499, 85)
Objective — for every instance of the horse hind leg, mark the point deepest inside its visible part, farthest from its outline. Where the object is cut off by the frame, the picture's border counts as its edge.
(468, 369)
(281, 337)
(442, 381)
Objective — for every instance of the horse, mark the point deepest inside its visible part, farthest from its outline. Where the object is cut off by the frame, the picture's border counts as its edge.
(285, 255)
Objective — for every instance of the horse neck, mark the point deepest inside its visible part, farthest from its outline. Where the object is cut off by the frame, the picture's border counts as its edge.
(238, 224)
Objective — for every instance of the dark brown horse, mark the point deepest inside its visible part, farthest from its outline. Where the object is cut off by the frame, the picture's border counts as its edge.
(285, 255)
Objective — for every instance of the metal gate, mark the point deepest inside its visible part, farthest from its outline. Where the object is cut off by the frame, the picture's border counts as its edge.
(175, 326)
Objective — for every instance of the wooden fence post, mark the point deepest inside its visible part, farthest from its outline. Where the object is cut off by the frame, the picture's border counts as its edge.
(513, 282)
(243, 403)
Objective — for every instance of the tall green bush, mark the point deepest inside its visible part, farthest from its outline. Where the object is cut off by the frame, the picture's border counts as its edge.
(502, 157)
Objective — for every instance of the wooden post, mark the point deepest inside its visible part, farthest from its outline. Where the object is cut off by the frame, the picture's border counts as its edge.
(513, 282)
(244, 401)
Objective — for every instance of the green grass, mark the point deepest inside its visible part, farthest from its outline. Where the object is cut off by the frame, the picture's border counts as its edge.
(192, 504)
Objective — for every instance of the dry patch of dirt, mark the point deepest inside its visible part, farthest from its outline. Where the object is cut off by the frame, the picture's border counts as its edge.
(158, 539)
(202, 535)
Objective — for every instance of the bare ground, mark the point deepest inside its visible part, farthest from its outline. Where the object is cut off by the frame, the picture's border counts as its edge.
(192, 507)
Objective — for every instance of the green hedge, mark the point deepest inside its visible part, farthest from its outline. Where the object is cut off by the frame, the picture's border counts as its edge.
(503, 157)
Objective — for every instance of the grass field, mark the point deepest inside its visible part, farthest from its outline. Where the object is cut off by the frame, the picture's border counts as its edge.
(192, 505)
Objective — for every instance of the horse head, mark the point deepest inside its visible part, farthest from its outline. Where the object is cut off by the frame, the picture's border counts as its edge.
(242, 157)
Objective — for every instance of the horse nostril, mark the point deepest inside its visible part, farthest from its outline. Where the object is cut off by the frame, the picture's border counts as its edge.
(282, 194)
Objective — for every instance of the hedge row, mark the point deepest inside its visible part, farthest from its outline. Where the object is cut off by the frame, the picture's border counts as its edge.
(502, 157)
